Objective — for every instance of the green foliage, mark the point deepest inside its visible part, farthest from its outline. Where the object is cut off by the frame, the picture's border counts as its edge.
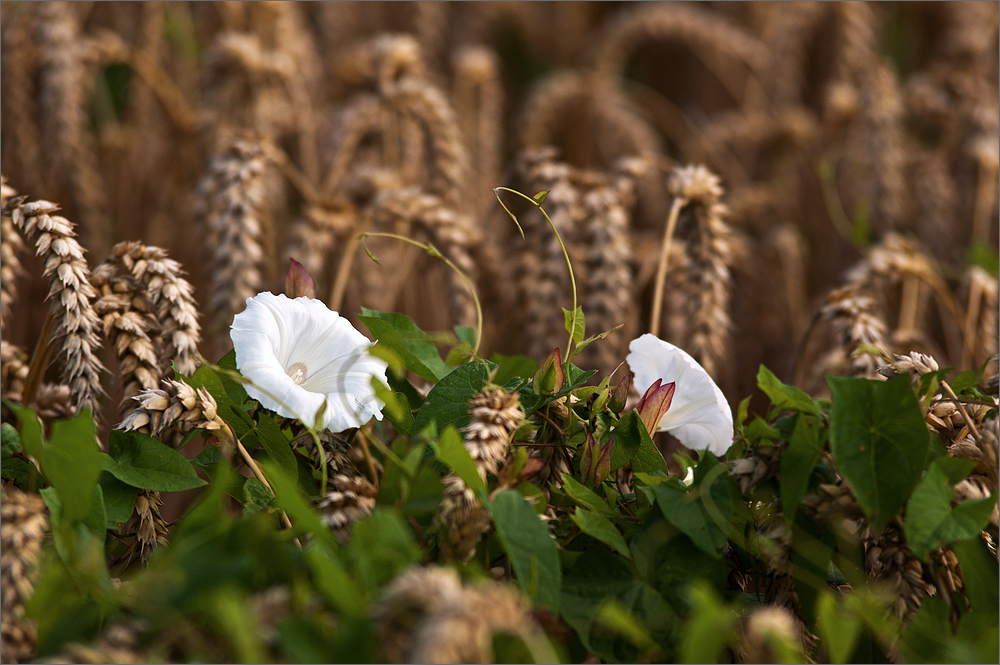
(624, 571)
(879, 441)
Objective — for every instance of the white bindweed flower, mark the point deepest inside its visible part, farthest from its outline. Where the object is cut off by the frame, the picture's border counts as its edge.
(300, 355)
(698, 415)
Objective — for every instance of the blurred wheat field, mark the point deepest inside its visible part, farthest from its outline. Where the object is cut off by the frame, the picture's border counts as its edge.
(831, 170)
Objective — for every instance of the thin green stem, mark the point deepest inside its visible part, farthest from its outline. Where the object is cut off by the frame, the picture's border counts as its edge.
(434, 251)
(562, 246)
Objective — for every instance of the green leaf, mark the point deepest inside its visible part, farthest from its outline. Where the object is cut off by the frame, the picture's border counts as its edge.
(711, 622)
(981, 576)
(256, 495)
(584, 496)
(396, 409)
(879, 442)
(413, 346)
(447, 402)
(466, 334)
(804, 452)
(31, 430)
(594, 338)
(97, 521)
(10, 440)
(985, 256)
(119, 500)
(786, 397)
(812, 551)
(72, 464)
(702, 512)
(540, 196)
(451, 450)
(600, 527)
(597, 577)
(838, 627)
(649, 458)
(276, 444)
(930, 521)
(287, 497)
(532, 552)
(381, 546)
(148, 464)
(574, 323)
(628, 434)
(512, 367)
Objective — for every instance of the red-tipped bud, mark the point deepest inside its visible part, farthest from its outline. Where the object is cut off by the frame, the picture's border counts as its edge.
(654, 404)
(532, 466)
(590, 457)
(549, 378)
(603, 468)
(616, 402)
(298, 281)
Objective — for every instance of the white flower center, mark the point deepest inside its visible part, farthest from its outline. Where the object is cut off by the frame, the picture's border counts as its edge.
(298, 372)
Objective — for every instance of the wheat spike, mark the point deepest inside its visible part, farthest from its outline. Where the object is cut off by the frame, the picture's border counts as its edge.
(708, 244)
(13, 369)
(707, 34)
(176, 405)
(478, 100)
(430, 107)
(171, 298)
(787, 30)
(496, 415)
(855, 322)
(119, 644)
(352, 500)
(128, 324)
(23, 523)
(426, 615)
(455, 232)
(64, 94)
(595, 108)
(10, 265)
(77, 327)
(934, 201)
(608, 290)
(231, 207)
(889, 560)
(22, 139)
(543, 280)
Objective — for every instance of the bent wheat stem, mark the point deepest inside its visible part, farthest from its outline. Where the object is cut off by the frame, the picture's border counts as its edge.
(661, 270)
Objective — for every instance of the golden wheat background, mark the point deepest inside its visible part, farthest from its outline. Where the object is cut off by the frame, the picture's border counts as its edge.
(832, 169)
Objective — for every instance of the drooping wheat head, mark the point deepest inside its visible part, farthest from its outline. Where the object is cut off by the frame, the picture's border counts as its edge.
(75, 334)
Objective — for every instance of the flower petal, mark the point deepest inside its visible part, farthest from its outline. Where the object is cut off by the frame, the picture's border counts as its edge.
(699, 414)
(276, 336)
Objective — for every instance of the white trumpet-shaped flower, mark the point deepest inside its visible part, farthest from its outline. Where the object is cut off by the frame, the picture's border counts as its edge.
(698, 414)
(300, 355)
